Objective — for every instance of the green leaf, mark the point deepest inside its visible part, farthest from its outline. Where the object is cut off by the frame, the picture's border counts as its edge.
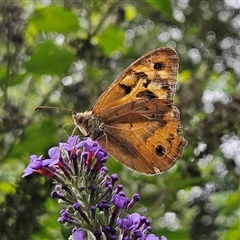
(49, 58)
(54, 19)
(112, 39)
(163, 6)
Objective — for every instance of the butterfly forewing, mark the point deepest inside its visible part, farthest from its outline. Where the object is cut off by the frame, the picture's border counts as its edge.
(151, 76)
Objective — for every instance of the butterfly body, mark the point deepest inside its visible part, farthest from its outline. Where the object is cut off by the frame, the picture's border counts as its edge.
(134, 119)
(89, 124)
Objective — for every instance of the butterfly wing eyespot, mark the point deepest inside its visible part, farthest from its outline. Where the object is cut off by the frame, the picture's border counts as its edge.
(135, 120)
(158, 66)
(159, 150)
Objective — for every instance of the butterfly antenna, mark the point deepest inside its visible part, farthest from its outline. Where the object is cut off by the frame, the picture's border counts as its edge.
(49, 107)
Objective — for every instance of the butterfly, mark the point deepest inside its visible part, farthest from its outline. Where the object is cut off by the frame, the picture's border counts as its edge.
(134, 120)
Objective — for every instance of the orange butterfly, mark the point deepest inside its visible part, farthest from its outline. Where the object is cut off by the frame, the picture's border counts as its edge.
(134, 119)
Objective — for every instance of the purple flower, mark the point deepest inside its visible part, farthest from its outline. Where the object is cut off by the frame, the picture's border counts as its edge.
(101, 155)
(54, 194)
(114, 178)
(162, 237)
(98, 234)
(137, 233)
(138, 225)
(38, 165)
(131, 222)
(153, 237)
(89, 145)
(124, 223)
(76, 206)
(103, 205)
(71, 144)
(119, 188)
(92, 147)
(93, 210)
(54, 154)
(92, 199)
(65, 217)
(92, 187)
(78, 234)
(134, 199)
(120, 201)
(34, 165)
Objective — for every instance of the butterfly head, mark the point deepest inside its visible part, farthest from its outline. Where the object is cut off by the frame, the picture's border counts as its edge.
(81, 121)
(89, 124)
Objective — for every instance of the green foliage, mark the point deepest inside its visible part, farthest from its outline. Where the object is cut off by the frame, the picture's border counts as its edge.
(51, 59)
(65, 54)
(53, 19)
(164, 7)
(111, 40)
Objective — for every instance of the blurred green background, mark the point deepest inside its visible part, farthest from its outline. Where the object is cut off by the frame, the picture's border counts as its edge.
(65, 53)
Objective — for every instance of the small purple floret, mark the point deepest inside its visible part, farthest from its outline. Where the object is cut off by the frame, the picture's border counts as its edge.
(120, 201)
(54, 154)
(78, 234)
(71, 144)
(153, 237)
